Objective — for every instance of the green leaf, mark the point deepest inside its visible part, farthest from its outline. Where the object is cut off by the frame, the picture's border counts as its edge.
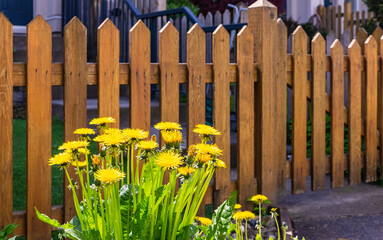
(8, 229)
(187, 232)
(47, 219)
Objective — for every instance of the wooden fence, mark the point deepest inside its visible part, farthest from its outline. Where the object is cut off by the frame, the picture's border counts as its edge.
(263, 72)
(333, 19)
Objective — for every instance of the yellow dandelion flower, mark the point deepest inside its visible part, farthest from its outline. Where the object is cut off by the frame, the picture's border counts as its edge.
(219, 164)
(203, 129)
(168, 160)
(186, 170)
(207, 148)
(274, 209)
(237, 206)
(204, 221)
(245, 215)
(109, 176)
(163, 126)
(136, 134)
(60, 159)
(84, 131)
(80, 163)
(112, 131)
(259, 198)
(192, 149)
(84, 151)
(102, 120)
(172, 137)
(95, 160)
(203, 157)
(110, 139)
(73, 145)
(147, 145)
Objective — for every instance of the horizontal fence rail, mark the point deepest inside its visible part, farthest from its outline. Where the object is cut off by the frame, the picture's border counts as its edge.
(263, 72)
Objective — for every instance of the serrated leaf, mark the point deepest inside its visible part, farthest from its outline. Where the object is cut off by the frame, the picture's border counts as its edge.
(47, 219)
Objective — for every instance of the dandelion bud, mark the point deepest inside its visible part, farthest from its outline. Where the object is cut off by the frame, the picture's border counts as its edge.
(95, 160)
(97, 183)
(153, 138)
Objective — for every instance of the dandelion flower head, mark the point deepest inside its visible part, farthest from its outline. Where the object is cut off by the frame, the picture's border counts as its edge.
(147, 145)
(136, 134)
(245, 215)
(164, 126)
(237, 206)
(219, 163)
(74, 145)
(80, 163)
(168, 160)
(208, 148)
(115, 139)
(259, 198)
(60, 159)
(186, 170)
(84, 131)
(102, 120)
(109, 175)
(172, 137)
(203, 129)
(204, 221)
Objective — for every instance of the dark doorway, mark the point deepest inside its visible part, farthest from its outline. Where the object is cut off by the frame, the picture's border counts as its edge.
(19, 12)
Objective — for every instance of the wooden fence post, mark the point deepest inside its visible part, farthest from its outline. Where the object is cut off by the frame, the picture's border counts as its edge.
(39, 126)
(6, 115)
(75, 96)
(263, 25)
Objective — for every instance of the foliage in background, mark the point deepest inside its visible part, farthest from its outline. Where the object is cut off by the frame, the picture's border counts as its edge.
(7, 230)
(308, 27)
(376, 6)
(172, 4)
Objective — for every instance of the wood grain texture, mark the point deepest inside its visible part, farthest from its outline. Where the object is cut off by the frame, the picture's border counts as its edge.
(299, 111)
(337, 106)
(221, 110)
(6, 116)
(355, 112)
(371, 109)
(196, 50)
(281, 98)
(139, 51)
(339, 13)
(318, 137)
(378, 33)
(262, 16)
(245, 124)
(75, 96)
(108, 50)
(169, 85)
(39, 126)
(380, 107)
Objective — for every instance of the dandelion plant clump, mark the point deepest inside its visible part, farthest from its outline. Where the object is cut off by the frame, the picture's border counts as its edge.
(133, 188)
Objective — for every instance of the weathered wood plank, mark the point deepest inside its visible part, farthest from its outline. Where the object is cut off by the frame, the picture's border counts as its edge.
(318, 137)
(75, 95)
(371, 108)
(245, 124)
(39, 126)
(108, 49)
(6, 116)
(339, 13)
(337, 109)
(139, 50)
(380, 107)
(355, 112)
(196, 49)
(299, 111)
(221, 108)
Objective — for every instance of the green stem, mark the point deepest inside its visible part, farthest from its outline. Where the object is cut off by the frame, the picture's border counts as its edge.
(276, 222)
(260, 219)
(246, 229)
(102, 215)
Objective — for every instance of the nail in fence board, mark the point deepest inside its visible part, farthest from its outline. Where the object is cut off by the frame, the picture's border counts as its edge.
(39, 126)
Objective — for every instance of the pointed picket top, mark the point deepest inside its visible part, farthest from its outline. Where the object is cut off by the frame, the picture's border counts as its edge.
(169, 29)
(40, 23)
(226, 17)
(370, 42)
(318, 39)
(381, 45)
(336, 47)
(354, 47)
(196, 46)
(244, 32)
(281, 26)
(262, 3)
(196, 30)
(220, 32)
(201, 18)
(107, 25)
(73, 24)
(4, 20)
(378, 32)
(299, 32)
(140, 27)
(209, 19)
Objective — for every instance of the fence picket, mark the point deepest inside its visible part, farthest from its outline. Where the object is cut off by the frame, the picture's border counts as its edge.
(318, 136)
(299, 110)
(196, 49)
(371, 108)
(108, 48)
(6, 116)
(339, 13)
(221, 108)
(281, 98)
(217, 18)
(39, 126)
(226, 18)
(355, 112)
(75, 95)
(139, 50)
(337, 110)
(380, 109)
(245, 167)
